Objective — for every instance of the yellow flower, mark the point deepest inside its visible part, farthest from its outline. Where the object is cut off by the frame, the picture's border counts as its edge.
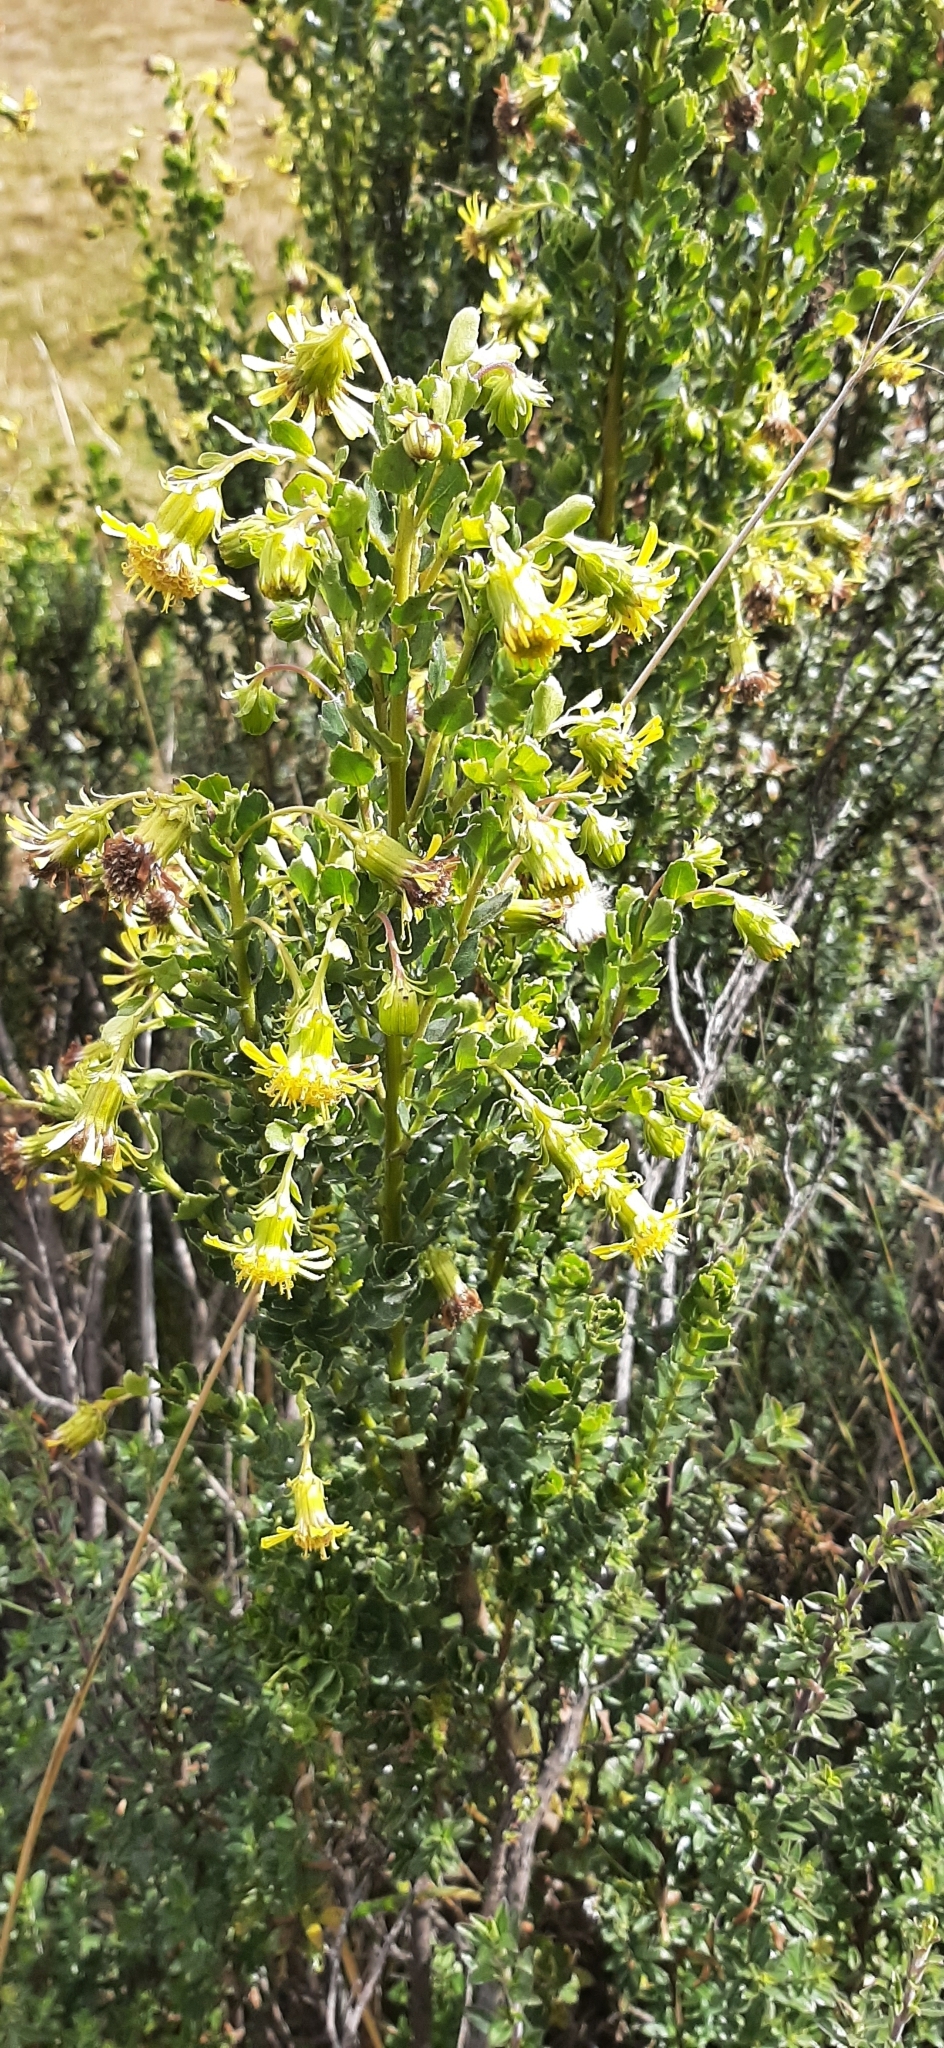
(515, 311)
(306, 1072)
(85, 1427)
(313, 376)
(633, 586)
(312, 1528)
(547, 857)
(649, 1233)
(485, 230)
(531, 626)
(596, 1177)
(264, 1256)
(164, 567)
(80, 830)
(606, 744)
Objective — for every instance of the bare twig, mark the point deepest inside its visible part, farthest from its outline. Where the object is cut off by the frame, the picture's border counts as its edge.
(796, 462)
(28, 1386)
(74, 1711)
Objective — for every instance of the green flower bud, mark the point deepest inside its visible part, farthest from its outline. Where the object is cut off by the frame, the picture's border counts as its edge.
(601, 840)
(547, 705)
(705, 854)
(398, 1007)
(190, 515)
(681, 1099)
(663, 1137)
(768, 935)
(423, 439)
(255, 705)
(285, 560)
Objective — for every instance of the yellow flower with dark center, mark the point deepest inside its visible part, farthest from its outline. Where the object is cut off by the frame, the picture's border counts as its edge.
(545, 852)
(533, 627)
(313, 376)
(164, 567)
(312, 1529)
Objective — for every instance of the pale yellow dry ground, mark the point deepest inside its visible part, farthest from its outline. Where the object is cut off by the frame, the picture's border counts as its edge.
(59, 277)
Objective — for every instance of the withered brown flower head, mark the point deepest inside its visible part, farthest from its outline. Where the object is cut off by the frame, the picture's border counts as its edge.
(508, 108)
(161, 901)
(745, 112)
(12, 1162)
(127, 867)
(458, 1307)
(753, 686)
(762, 601)
(429, 882)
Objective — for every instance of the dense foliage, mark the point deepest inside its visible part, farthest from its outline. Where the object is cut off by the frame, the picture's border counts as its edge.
(572, 1691)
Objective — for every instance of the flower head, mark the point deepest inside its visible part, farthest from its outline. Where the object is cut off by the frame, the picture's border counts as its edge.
(312, 1529)
(422, 881)
(163, 567)
(87, 1426)
(761, 928)
(166, 819)
(487, 229)
(81, 830)
(306, 1072)
(533, 627)
(748, 681)
(545, 851)
(508, 394)
(597, 1177)
(313, 377)
(457, 1300)
(633, 585)
(127, 867)
(265, 1256)
(601, 839)
(517, 311)
(607, 745)
(585, 916)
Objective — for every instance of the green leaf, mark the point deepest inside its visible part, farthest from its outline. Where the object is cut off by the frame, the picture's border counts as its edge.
(392, 471)
(352, 769)
(288, 434)
(462, 338)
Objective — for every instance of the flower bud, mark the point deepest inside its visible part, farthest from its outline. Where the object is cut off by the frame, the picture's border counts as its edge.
(705, 854)
(255, 705)
(768, 935)
(681, 1099)
(601, 840)
(423, 439)
(190, 515)
(663, 1137)
(398, 1007)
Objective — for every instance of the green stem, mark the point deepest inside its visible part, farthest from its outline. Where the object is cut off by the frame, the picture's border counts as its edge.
(238, 915)
(430, 758)
(403, 555)
(392, 1201)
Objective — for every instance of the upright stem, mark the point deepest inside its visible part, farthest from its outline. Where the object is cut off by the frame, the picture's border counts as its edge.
(612, 431)
(392, 1212)
(237, 911)
(402, 586)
